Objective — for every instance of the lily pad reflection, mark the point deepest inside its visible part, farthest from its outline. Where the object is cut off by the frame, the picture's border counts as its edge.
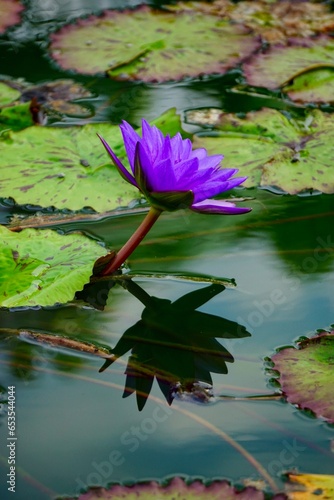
(176, 344)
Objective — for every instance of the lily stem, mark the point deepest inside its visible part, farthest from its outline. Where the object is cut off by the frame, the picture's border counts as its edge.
(133, 242)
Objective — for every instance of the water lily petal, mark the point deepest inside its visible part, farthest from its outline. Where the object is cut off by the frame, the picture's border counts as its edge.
(130, 138)
(170, 174)
(164, 179)
(218, 207)
(122, 170)
(215, 186)
(153, 139)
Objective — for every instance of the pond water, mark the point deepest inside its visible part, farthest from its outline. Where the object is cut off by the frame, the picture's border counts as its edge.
(74, 428)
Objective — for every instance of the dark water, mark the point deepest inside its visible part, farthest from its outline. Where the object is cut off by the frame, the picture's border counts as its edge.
(73, 427)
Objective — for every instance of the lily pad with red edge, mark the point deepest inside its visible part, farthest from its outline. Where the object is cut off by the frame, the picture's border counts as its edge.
(68, 168)
(151, 45)
(9, 13)
(273, 151)
(280, 64)
(306, 374)
(177, 488)
(274, 20)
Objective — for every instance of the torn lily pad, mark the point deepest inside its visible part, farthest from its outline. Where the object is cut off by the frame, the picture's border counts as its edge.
(44, 268)
(280, 64)
(306, 374)
(273, 151)
(151, 45)
(9, 13)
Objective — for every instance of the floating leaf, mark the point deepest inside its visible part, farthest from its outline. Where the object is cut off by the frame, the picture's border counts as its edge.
(8, 94)
(315, 486)
(16, 117)
(58, 96)
(177, 488)
(313, 86)
(274, 20)
(63, 342)
(43, 267)
(274, 151)
(280, 64)
(9, 13)
(67, 168)
(306, 374)
(151, 45)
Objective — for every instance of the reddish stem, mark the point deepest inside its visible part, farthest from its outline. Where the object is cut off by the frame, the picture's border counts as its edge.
(133, 242)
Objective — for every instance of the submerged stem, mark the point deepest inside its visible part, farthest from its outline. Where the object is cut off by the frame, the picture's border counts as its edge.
(133, 242)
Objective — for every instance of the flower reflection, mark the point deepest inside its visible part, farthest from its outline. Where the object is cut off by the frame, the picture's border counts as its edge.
(177, 345)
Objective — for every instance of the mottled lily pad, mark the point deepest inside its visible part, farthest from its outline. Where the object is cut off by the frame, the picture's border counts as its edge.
(275, 21)
(43, 267)
(68, 168)
(280, 64)
(9, 13)
(312, 86)
(274, 151)
(59, 96)
(306, 374)
(177, 488)
(151, 45)
(314, 486)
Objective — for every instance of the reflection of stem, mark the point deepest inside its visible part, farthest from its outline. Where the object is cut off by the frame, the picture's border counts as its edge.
(133, 242)
(137, 292)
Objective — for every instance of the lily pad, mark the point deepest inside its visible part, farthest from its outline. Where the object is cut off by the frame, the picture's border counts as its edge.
(272, 150)
(68, 168)
(58, 96)
(16, 117)
(8, 94)
(176, 488)
(151, 45)
(280, 64)
(43, 268)
(275, 21)
(9, 13)
(306, 374)
(315, 486)
(313, 86)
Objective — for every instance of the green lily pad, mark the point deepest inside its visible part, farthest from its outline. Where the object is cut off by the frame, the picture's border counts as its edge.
(313, 86)
(8, 94)
(280, 64)
(68, 168)
(43, 268)
(306, 374)
(177, 488)
(9, 13)
(151, 45)
(274, 151)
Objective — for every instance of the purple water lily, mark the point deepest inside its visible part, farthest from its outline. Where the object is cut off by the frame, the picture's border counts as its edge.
(171, 175)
